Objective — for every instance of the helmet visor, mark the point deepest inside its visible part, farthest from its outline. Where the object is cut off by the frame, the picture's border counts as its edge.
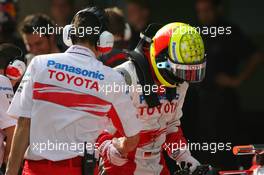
(192, 73)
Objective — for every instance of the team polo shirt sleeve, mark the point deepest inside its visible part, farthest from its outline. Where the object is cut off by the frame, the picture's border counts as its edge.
(21, 105)
(6, 95)
(123, 113)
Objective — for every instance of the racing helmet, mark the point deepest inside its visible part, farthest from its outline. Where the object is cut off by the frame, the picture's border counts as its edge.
(177, 55)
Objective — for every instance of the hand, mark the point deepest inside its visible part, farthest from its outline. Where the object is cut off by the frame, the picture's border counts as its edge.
(109, 151)
(115, 157)
(119, 144)
(228, 81)
(185, 156)
(126, 144)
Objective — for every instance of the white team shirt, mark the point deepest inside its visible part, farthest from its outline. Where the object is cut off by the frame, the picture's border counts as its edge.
(6, 95)
(63, 96)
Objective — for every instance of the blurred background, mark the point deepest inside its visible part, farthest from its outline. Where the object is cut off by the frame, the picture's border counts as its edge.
(222, 109)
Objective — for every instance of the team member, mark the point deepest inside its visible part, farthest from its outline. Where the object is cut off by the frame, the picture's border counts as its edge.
(62, 11)
(139, 17)
(62, 102)
(12, 68)
(232, 60)
(36, 42)
(175, 56)
(122, 33)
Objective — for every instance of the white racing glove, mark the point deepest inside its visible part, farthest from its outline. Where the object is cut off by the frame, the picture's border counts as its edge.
(107, 150)
(185, 156)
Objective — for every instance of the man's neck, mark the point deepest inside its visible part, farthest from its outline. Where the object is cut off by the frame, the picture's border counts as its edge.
(55, 49)
(87, 45)
(13, 82)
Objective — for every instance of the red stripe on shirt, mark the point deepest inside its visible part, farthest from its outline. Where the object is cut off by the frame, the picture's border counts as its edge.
(75, 100)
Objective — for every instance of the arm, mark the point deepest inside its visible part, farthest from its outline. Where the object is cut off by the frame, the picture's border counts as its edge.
(122, 136)
(126, 144)
(123, 115)
(127, 125)
(176, 144)
(108, 152)
(176, 148)
(21, 106)
(174, 134)
(228, 81)
(9, 136)
(250, 67)
(19, 145)
(115, 150)
(111, 136)
(7, 123)
(175, 141)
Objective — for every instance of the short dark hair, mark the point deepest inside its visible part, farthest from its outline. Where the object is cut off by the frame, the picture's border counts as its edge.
(34, 21)
(8, 52)
(117, 23)
(90, 17)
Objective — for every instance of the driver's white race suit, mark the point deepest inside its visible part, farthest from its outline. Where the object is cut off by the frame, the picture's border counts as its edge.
(161, 131)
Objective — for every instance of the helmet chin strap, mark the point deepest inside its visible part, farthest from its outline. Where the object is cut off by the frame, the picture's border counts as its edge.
(141, 62)
(146, 54)
(141, 59)
(143, 47)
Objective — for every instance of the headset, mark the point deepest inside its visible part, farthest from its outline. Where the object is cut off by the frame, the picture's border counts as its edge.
(16, 67)
(105, 40)
(127, 32)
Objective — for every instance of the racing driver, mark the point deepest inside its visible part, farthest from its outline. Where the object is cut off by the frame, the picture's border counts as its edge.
(168, 61)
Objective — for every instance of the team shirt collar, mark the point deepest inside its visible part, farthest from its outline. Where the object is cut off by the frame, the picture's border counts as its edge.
(77, 49)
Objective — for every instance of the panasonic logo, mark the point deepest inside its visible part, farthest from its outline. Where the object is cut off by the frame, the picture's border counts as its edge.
(76, 70)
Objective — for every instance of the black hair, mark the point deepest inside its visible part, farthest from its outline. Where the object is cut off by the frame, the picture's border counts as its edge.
(116, 19)
(35, 21)
(91, 17)
(9, 52)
